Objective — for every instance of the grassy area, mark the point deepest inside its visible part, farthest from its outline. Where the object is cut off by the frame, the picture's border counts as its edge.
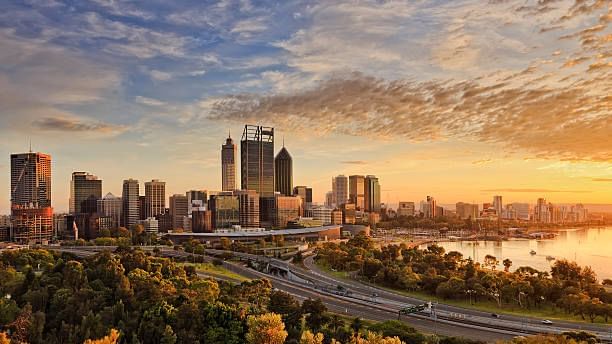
(547, 312)
(217, 271)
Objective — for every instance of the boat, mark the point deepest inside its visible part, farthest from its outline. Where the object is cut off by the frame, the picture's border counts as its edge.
(550, 258)
(532, 252)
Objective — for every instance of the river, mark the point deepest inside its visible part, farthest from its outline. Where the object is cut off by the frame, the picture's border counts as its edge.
(587, 246)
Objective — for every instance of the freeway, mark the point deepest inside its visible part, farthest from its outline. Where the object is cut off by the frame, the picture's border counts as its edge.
(312, 282)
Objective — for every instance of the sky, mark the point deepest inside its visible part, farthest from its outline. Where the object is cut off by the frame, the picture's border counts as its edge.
(457, 99)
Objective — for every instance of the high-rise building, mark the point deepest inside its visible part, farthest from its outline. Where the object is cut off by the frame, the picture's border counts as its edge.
(142, 208)
(228, 165)
(283, 172)
(348, 213)
(196, 195)
(288, 208)
(329, 199)
(164, 221)
(339, 190)
(202, 221)
(225, 208)
(85, 191)
(249, 208)
(130, 198)
(372, 194)
(498, 206)
(466, 210)
(31, 212)
(357, 191)
(405, 209)
(110, 206)
(179, 209)
(257, 160)
(541, 211)
(155, 197)
(305, 194)
(257, 168)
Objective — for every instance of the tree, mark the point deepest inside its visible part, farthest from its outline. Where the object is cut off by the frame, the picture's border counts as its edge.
(395, 328)
(310, 338)
(356, 326)
(267, 328)
(316, 316)
(112, 338)
(491, 261)
(4, 339)
(507, 264)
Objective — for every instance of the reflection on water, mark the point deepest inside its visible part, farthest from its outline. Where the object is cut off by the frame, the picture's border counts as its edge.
(586, 246)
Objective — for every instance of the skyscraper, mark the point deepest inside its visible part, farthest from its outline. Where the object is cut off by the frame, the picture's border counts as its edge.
(85, 191)
(357, 191)
(179, 209)
(305, 193)
(31, 212)
(257, 160)
(196, 195)
(129, 197)
(110, 206)
(372, 194)
(249, 208)
(497, 204)
(283, 172)
(228, 165)
(225, 208)
(155, 198)
(339, 190)
(257, 168)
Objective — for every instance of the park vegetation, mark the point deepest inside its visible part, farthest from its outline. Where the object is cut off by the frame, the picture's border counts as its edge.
(130, 296)
(568, 287)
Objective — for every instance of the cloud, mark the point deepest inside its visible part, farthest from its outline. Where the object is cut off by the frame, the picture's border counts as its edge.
(149, 101)
(354, 162)
(551, 123)
(77, 125)
(602, 179)
(535, 190)
(159, 75)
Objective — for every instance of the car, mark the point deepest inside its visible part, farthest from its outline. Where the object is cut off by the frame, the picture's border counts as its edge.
(495, 315)
(546, 322)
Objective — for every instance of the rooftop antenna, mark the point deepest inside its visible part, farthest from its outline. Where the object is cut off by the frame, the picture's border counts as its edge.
(283, 141)
(229, 133)
(30, 145)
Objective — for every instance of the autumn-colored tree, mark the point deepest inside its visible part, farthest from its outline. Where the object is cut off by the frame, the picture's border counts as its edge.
(543, 339)
(4, 339)
(267, 328)
(112, 338)
(375, 338)
(310, 338)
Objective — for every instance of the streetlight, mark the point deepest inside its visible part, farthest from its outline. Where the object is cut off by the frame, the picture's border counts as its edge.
(470, 292)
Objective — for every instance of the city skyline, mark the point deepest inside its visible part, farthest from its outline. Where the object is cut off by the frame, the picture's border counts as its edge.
(412, 92)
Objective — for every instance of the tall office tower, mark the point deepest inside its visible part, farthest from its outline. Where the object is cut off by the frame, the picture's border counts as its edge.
(179, 209)
(541, 213)
(329, 199)
(339, 190)
(85, 191)
(130, 198)
(155, 198)
(431, 207)
(228, 165)
(225, 208)
(372, 194)
(257, 168)
(164, 221)
(196, 195)
(357, 191)
(283, 172)
(466, 210)
(288, 208)
(305, 193)
(497, 205)
(249, 208)
(405, 209)
(110, 205)
(31, 212)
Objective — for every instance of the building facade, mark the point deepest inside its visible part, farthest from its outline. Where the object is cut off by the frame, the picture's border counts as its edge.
(130, 198)
(226, 210)
(179, 209)
(228, 165)
(155, 198)
(372, 194)
(31, 211)
(85, 191)
(339, 190)
(466, 210)
(288, 208)
(249, 208)
(283, 172)
(357, 191)
(305, 194)
(111, 206)
(406, 209)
